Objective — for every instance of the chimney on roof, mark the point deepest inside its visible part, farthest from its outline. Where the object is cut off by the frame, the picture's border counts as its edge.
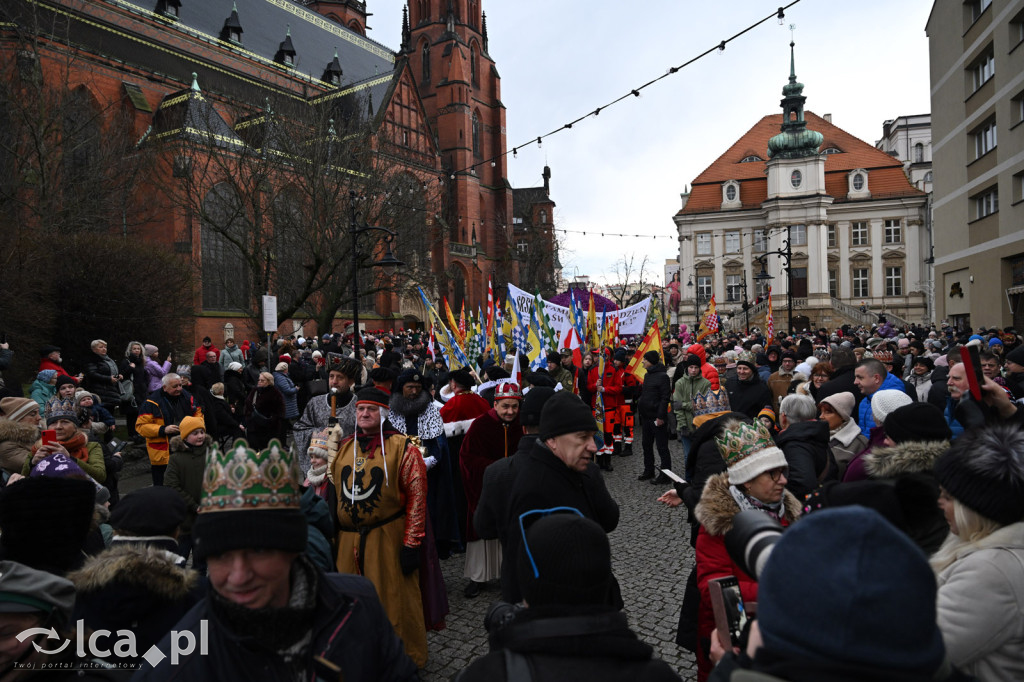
(547, 181)
(827, 117)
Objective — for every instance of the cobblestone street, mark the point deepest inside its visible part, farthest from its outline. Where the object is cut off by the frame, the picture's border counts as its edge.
(651, 559)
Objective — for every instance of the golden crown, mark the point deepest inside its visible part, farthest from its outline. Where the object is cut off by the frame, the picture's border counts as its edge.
(745, 440)
(242, 478)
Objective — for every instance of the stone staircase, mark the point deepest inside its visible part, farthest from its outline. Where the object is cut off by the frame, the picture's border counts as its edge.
(852, 314)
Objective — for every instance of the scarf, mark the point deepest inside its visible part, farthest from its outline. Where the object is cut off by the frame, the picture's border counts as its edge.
(746, 502)
(286, 630)
(316, 475)
(77, 446)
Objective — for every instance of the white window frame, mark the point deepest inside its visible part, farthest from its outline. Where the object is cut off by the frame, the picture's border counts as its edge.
(860, 233)
(893, 230)
(894, 280)
(733, 290)
(830, 236)
(833, 284)
(704, 244)
(704, 287)
(985, 139)
(861, 283)
(798, 235)
(732, 242)
(983, 70)
(760, 241)
(986, 203)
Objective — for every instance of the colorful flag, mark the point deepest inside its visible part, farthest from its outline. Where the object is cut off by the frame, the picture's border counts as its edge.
(535, 353)
(499, 331)
(592, 340)
(709, 323)
(490, 315)
(452, 324)
(430, 343)
(547, 335)
(517, 332)
(652, 341)
(771, 320)
(599, 396)
(462, 321)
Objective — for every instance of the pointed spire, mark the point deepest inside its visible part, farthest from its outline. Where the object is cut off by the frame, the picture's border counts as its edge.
(333, 72)
(795, 140)
(195, 82)
(484, 30)
(232, 29)
(406, 32)
(286, 51)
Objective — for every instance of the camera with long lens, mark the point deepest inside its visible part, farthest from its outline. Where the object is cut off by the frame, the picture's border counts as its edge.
(751, 540)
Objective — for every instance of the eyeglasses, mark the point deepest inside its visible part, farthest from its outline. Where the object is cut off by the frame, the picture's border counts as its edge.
(541, 512)
(777, 473)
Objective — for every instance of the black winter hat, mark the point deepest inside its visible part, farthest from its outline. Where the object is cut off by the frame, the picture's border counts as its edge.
(652, 356)
(157, 510)
(533, 404)
(565, 559)
(917, 422)
(984, 470)
(1016, 355)
(462, 377)
(409, 376)
(844, 587)
(564, 412)
(554, 357)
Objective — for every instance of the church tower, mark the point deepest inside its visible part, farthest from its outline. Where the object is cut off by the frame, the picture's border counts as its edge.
(445, 43)
(351, 13)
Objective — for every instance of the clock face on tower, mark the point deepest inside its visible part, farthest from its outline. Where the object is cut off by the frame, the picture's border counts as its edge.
(796, 178)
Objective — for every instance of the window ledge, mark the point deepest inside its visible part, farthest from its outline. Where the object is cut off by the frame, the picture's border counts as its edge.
(1019, 43)
(1019, 201)
(1016, 124)
(979, 88)
(982, 156)
(978, 220)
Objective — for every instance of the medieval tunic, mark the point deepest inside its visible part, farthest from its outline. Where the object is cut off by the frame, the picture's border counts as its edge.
(382, 504)
(489, 439)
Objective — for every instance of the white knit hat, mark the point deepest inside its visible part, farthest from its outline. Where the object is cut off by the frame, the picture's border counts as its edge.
(884, 402)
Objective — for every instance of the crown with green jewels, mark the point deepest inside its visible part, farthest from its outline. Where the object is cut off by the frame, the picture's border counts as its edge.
(737, 444)
(710, 402)
(242, 478)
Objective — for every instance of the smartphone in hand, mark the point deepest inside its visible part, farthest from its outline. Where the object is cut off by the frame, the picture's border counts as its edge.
(49, 437)
(729, 611)
(971, 358)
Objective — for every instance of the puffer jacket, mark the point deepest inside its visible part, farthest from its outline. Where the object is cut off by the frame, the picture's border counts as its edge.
(154, 414)
(17, 444)
(865, 418)
(99, 371)
(42, 393)
(706, 368)
(185, 476)
(289, 391)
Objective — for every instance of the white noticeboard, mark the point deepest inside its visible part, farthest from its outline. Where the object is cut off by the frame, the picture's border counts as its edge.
(270, 314)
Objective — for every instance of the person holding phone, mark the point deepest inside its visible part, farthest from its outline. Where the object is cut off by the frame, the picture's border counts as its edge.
(755, 478)
(62, 417)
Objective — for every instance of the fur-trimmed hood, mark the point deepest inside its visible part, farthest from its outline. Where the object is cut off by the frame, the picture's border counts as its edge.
(178, 445)
(23, 434)
(906, 458)
(717, 508)
(139, 566)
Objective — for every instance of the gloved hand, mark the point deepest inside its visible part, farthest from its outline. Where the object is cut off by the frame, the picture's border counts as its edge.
(430, 461)
(409, 559)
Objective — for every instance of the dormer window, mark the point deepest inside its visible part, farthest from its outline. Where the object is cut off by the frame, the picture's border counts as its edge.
(751, 159)
(286, 51)
(832, 150)
(731, 194)
(234, 36)
(333, 72)
(169, 8)
(857, 184)
(232, 31)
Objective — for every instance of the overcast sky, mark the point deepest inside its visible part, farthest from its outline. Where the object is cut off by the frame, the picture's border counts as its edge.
(623, 171)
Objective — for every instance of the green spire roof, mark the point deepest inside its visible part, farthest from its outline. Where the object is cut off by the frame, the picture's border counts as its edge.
(795, 141)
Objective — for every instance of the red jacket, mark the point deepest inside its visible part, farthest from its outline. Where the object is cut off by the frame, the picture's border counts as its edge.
(706, 368)
(47, 363)
(200, 354)
(612, 383)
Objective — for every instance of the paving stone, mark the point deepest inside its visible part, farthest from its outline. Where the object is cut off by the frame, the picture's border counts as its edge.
(651, 558)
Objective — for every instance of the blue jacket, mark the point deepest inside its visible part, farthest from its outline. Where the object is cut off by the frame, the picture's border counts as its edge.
(950, 414)
(288, 390)
(865, 419)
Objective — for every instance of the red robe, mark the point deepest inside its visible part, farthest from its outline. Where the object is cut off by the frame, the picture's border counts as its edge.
(488, 440)
(460, 411)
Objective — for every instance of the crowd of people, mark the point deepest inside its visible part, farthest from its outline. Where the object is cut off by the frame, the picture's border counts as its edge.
(298, 515)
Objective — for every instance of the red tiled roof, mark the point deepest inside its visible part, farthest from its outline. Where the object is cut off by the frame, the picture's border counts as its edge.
(886, 173)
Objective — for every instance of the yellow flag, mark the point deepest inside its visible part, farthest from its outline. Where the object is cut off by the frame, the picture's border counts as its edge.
(652, 341)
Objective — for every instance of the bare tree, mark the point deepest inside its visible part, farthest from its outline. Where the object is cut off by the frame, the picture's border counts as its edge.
(633, 280)
(276, 203)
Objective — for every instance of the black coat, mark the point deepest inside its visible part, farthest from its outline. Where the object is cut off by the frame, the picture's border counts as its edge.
(655, 393)
(590, 644)
(97, 379)
(805, 445)
(349, 629)
(137, 374)
(750, 396)
(540, 480)
(227, 425)
(234, 388)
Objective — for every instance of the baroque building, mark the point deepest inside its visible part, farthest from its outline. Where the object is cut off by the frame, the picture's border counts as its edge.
(798, 188)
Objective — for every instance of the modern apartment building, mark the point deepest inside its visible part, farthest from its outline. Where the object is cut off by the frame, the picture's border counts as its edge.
(977, 88)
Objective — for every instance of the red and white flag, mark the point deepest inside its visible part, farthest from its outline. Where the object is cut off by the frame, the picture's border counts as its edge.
(771, 320)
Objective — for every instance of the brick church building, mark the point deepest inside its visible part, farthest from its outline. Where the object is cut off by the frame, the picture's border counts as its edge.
(180, 69)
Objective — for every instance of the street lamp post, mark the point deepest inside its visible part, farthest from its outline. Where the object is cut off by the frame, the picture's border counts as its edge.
(786, 253)
(746, 307)
(388, 262)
